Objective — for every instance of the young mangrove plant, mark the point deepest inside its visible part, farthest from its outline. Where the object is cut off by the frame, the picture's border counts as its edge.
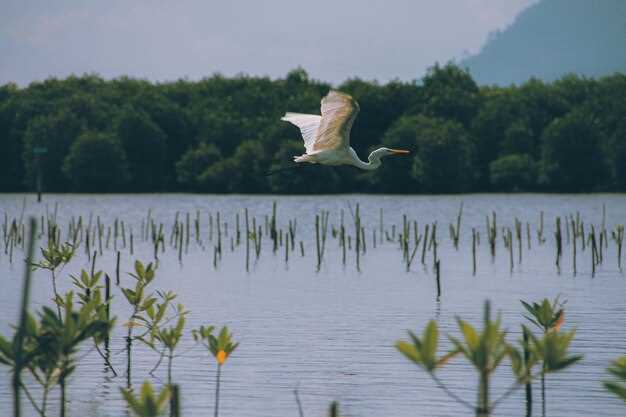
(164, 340)
(149, 403)
(41, 365)
(90, 290)
(221, 347)
(548, 316)
(55, 257)
(485, 350)
(51, 344)
(618, 385)
(140, 303)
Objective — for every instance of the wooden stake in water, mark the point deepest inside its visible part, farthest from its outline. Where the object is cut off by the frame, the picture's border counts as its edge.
(437, 271)
(559, 243)
(425, 243)
(540, 238)
(518, 235)
(107, 299)
(528, 385)
(574, 245)
(473, 251)
(618, 236)
(117, 268)
(493, 234)
(247, 241)
(594, 251)
(317, 241)
(456, 232)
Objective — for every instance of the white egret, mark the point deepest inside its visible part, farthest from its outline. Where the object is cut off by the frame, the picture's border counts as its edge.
(327, 137)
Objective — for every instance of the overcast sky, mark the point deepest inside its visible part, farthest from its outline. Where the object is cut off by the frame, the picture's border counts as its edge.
(166, 40)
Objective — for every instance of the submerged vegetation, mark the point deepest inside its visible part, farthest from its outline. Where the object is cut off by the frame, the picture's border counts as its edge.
(218, 134)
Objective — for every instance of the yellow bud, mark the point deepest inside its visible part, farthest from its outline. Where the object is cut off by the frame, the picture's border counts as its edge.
(221, 357)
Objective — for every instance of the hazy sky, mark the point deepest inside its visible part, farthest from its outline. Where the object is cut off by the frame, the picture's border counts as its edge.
(166, 40)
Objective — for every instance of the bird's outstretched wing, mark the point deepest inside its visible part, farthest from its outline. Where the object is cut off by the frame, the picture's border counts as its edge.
(338, 113)
(308, 124)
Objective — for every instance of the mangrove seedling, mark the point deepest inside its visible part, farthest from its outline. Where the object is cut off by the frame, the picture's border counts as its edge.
(90, 290)
(165, 337)
(221, 347)
(60, 338)
(41, 365)
(618, 385)
(139, 302)
(546, 315)
(55, 257)
(148, 403)
(485, 350)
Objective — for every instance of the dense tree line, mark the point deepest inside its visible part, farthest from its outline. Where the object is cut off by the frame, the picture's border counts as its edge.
(223, 134)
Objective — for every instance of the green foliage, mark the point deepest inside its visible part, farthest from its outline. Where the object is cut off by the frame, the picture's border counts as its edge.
(423, 351)
(223, 134)
(96, 162)
(450, 93)
(485, 350)
(63, 336)
(148, 403)
(50, 344)
(55, 256)
(618, 385)
(393, 176)
(146, 310)
(222, 343)
(194, 162)
(514, 172)
(617, 157)
(552, 350)
(546, 314)
(443, 161)
(155, 316)
(145, 145)
(56, 133)
(572, 155)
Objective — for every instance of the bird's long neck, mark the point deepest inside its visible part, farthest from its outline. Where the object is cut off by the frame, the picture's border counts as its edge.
(373, 162)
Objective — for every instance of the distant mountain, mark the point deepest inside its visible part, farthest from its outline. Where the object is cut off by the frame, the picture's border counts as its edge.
(553, 38)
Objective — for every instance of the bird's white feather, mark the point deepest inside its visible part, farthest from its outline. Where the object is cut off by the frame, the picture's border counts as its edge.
(338, 113)
(308, 124)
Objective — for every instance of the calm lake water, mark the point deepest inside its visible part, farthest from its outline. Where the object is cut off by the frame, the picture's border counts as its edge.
(331, 333)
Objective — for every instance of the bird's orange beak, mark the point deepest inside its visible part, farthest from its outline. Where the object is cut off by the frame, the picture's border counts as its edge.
(399, 151)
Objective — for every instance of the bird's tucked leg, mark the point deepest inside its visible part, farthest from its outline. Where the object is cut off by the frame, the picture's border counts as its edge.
(304, 158)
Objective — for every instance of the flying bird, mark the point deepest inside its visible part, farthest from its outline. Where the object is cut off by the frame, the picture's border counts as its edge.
(327, 137)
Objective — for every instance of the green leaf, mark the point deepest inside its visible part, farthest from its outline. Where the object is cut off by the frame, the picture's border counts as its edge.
(409, 351)
(469, 333)
(431, 340)
(616, 389)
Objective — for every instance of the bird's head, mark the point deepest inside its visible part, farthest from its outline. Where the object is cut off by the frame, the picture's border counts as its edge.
(380, 152)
